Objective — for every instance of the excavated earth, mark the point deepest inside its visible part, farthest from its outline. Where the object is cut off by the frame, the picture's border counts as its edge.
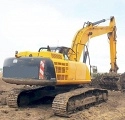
(113, 109)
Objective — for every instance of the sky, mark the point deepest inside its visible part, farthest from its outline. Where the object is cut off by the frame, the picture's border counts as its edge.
(27, 25)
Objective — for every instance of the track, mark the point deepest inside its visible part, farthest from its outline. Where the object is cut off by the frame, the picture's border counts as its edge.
(67, 103)
(26, 95)
(64, 103)
(13, 98)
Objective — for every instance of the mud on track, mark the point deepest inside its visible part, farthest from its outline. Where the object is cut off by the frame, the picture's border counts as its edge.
(113, 109)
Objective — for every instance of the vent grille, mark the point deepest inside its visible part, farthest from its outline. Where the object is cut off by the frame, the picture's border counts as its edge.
(61, 70)
(56, 56)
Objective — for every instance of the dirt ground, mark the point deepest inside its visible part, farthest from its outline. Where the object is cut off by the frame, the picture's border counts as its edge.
(113, 109)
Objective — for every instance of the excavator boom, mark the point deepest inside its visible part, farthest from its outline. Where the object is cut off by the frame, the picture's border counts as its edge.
(90, 31)
(111, 80)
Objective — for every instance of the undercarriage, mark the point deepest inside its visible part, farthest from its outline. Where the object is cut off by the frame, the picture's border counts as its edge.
(65, 101)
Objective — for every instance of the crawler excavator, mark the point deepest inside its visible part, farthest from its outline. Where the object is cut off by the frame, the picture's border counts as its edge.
(57, 72)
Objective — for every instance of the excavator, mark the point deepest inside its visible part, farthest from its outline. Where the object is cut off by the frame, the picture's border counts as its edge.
(58, 73)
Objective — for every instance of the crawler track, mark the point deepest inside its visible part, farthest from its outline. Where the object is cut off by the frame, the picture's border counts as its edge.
(69, 102)
(22, 97)
(64, 103)
(13, 98)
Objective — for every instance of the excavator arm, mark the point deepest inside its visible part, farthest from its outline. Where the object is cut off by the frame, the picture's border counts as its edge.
(90, 31)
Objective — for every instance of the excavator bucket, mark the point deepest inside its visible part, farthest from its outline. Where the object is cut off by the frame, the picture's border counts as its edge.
(110, 81)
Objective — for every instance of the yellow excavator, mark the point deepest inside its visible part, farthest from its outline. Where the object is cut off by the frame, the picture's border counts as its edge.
(58, 73)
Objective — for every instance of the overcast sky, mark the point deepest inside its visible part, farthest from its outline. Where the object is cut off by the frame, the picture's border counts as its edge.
(27, 25)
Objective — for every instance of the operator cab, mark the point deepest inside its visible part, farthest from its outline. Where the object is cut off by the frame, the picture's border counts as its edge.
(63, 50)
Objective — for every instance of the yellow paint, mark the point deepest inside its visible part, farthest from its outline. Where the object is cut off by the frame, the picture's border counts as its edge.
(72, 71)
(90, 31)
